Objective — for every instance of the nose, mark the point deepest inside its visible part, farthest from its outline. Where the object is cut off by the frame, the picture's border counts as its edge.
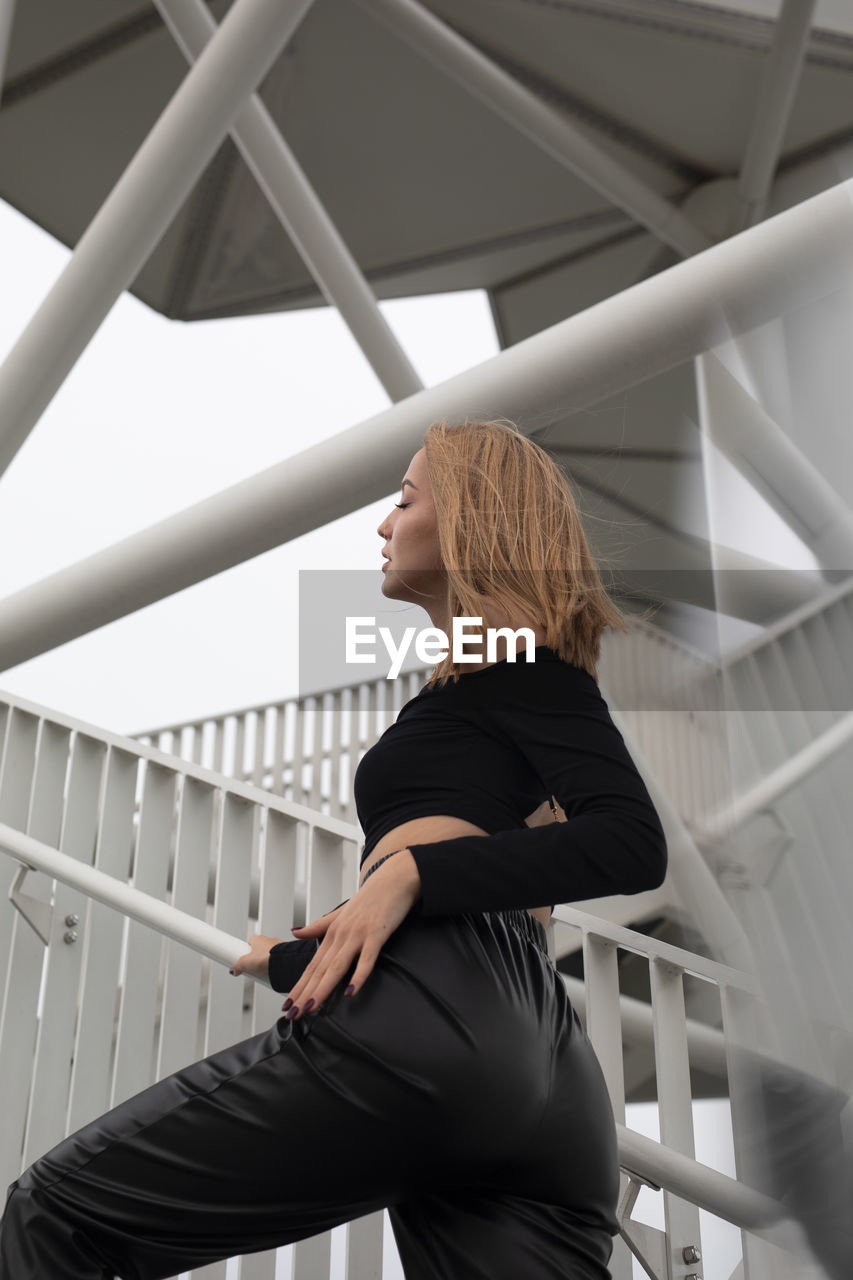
(382, 528)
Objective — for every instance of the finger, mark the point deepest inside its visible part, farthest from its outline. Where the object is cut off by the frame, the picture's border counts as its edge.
(237, 967)
(313, 971)
(318, 985)
(333, 976)
(365, 966)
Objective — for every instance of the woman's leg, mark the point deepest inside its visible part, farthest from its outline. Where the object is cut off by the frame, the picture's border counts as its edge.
(546, 1210)
(546, 1214)
(493, 1235)
(245, 1150)
(459, 1065)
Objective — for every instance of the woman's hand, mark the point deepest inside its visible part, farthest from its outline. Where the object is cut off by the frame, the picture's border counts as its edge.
(357, 930)
(256, 961)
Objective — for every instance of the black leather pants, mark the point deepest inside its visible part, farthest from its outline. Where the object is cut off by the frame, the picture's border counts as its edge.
(456, 1088)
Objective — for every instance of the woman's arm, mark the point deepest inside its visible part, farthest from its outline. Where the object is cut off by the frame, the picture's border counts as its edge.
(612, 841)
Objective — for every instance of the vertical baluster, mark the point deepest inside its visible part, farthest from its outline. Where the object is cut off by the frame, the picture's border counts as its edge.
(237, 836)
(258, 758)
(604, 1029)
(182, 985)
(46, 1121)
(674, 1104)
(349, 813)
(16, 781)
(102, 944)
(312, 1258)
(218, 743)
(136, 1045)
(364, 1247)
(5, 716)
(278, 749)
(299, 731)
(239, 769)
(254, 1266)
(318, 716)
(34, 782)
(336, 715)
(327, 884)
(276, 903)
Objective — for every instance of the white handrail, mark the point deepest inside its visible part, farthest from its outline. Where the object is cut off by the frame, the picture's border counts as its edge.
(168, 920)
(725, 1197)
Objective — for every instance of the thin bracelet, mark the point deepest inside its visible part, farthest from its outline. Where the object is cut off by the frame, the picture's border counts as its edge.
(378, 863)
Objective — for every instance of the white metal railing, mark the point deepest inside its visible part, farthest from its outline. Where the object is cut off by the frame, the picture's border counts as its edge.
(678, 1047)
(305, 748)
(108, 1005)
(687, 1184)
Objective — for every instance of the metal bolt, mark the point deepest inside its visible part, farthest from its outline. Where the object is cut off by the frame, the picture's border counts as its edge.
(690, 1253)
(72, 920)
(70, 936)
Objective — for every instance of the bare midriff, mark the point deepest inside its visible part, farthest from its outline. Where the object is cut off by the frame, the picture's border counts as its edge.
(440, 826)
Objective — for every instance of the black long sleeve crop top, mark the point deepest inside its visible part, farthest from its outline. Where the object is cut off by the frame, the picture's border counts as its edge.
(490, 749)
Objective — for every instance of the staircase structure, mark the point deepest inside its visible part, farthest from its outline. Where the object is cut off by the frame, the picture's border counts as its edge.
(102, 996)
(660, 320)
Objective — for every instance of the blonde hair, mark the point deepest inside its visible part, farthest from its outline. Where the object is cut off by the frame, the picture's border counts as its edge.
(510, 533)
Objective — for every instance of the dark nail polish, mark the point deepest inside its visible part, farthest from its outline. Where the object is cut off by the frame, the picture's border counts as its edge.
(350, 989)
(309, 1004)
(288, 1002)
(291, 1013)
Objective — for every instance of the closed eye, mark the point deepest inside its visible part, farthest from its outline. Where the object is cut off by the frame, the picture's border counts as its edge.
(402, 505)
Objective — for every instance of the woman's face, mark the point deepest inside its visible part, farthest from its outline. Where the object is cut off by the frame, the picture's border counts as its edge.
(410, 537)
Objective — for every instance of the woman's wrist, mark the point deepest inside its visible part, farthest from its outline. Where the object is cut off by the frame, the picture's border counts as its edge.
(405, 867)
(413, 876)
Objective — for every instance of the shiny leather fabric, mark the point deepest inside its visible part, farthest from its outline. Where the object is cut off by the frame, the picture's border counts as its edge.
(457, 1089)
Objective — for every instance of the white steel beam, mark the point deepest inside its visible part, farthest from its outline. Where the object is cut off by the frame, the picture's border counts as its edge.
(698, 304)
(7, 17)
(765, 456)
(773, 111)
(547, 128)
(302, 214)
(132, 219)
(716, 827)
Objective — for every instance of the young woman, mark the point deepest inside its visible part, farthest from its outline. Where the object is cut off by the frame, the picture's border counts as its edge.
(428, 1059)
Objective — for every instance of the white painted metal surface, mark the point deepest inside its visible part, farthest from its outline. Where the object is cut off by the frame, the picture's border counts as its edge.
(139, 209)
(546, 127)
(7, 16)
(302, 214)
(778, 90)
(618, 343)
(111, 1004)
